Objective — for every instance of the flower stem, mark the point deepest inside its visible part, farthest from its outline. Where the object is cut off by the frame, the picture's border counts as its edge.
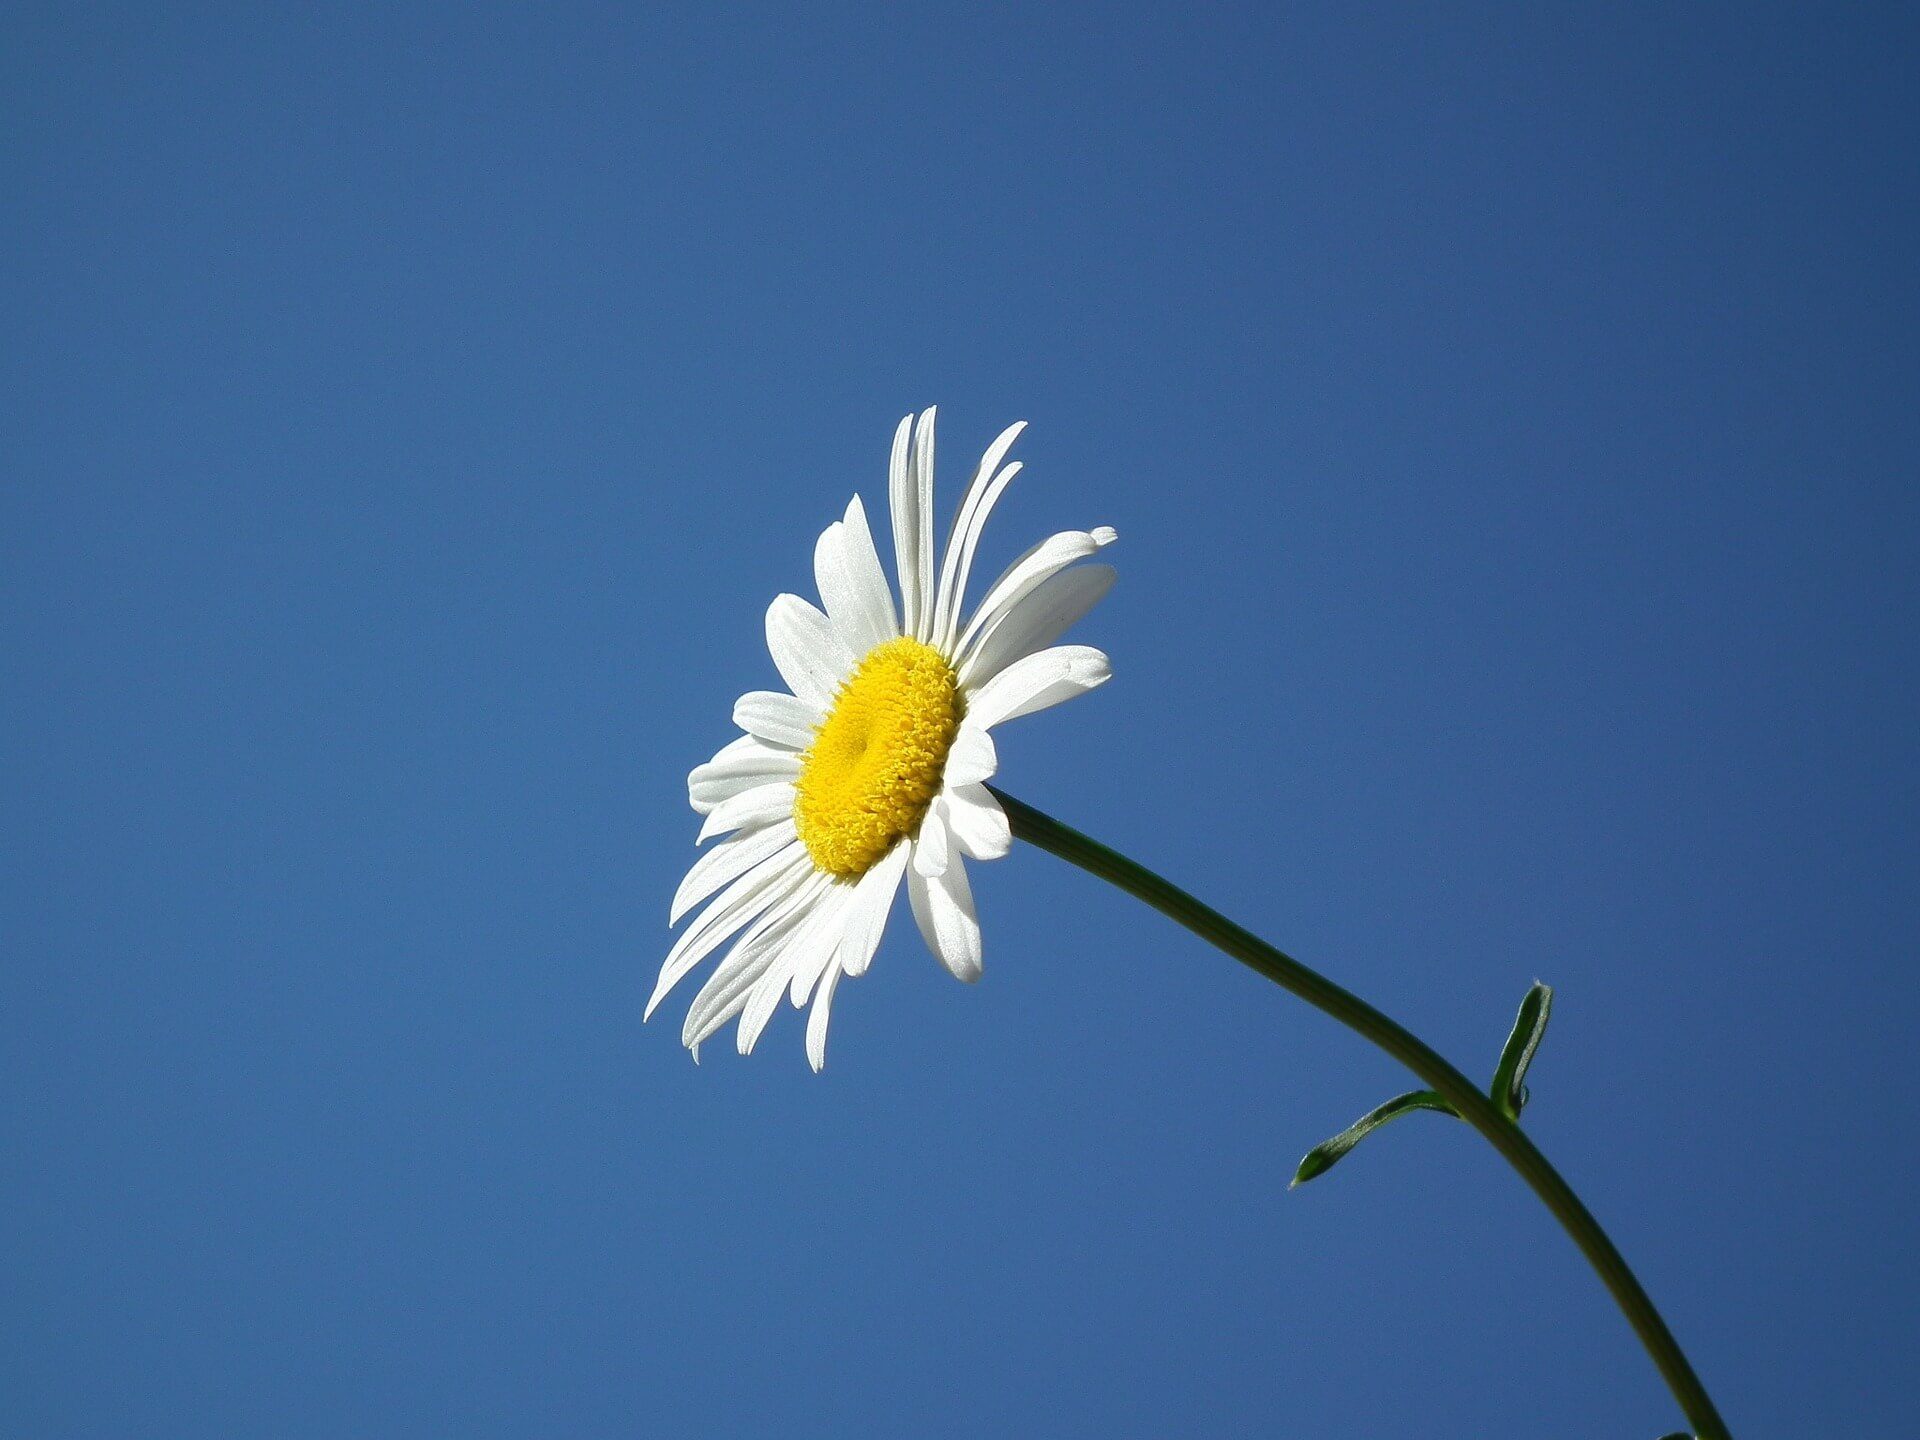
(1038, 828)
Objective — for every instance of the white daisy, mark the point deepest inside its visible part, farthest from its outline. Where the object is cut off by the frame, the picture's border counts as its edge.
(872, 770)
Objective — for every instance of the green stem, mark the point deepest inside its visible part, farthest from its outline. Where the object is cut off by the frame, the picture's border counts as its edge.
(1475, 1108)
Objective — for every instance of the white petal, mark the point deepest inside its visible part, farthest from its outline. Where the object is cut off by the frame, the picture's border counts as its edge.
(807, 650)
(769, 882)
(870, 900)
(1037, 682)
(853, 587)
(913, 524)
(1035, 621)
(973, 757)
(726, 990)
(801, 981)
(1030, 571)
(819, 937)
(757, 946)
(745, 763)
(874, 903)
(777, 718)
(759, 806)
(910, 524)
(817, 1019)
(976, 821)
(726, 862)
(931, 852)
(968, 523)
(739, 745)
(944, 908)
(866, 920)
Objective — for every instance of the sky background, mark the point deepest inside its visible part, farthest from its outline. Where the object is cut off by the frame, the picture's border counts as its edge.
(406, 415)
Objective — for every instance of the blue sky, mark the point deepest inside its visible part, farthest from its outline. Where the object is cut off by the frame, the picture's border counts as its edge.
(408, 412)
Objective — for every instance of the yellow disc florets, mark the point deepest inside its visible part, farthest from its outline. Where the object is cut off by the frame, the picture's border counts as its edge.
(876, 761)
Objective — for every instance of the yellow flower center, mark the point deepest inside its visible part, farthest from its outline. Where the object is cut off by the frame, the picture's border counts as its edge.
(875, 762)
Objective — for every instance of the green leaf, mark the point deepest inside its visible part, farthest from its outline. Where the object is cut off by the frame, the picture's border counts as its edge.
(1325, 1156)
(1529, 1028)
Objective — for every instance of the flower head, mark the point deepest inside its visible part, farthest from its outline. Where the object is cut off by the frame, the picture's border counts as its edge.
(870, 769)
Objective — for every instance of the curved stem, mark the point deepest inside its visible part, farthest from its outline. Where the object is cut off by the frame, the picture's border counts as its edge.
(1474, 1107)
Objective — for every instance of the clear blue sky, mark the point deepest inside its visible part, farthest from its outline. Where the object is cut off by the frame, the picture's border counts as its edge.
(407, 414)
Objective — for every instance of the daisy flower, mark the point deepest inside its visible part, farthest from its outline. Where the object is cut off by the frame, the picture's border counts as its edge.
(870, 769)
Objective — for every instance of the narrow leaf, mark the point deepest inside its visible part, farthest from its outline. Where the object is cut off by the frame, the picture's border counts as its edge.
(1529, 1028)
(1325, 1156)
